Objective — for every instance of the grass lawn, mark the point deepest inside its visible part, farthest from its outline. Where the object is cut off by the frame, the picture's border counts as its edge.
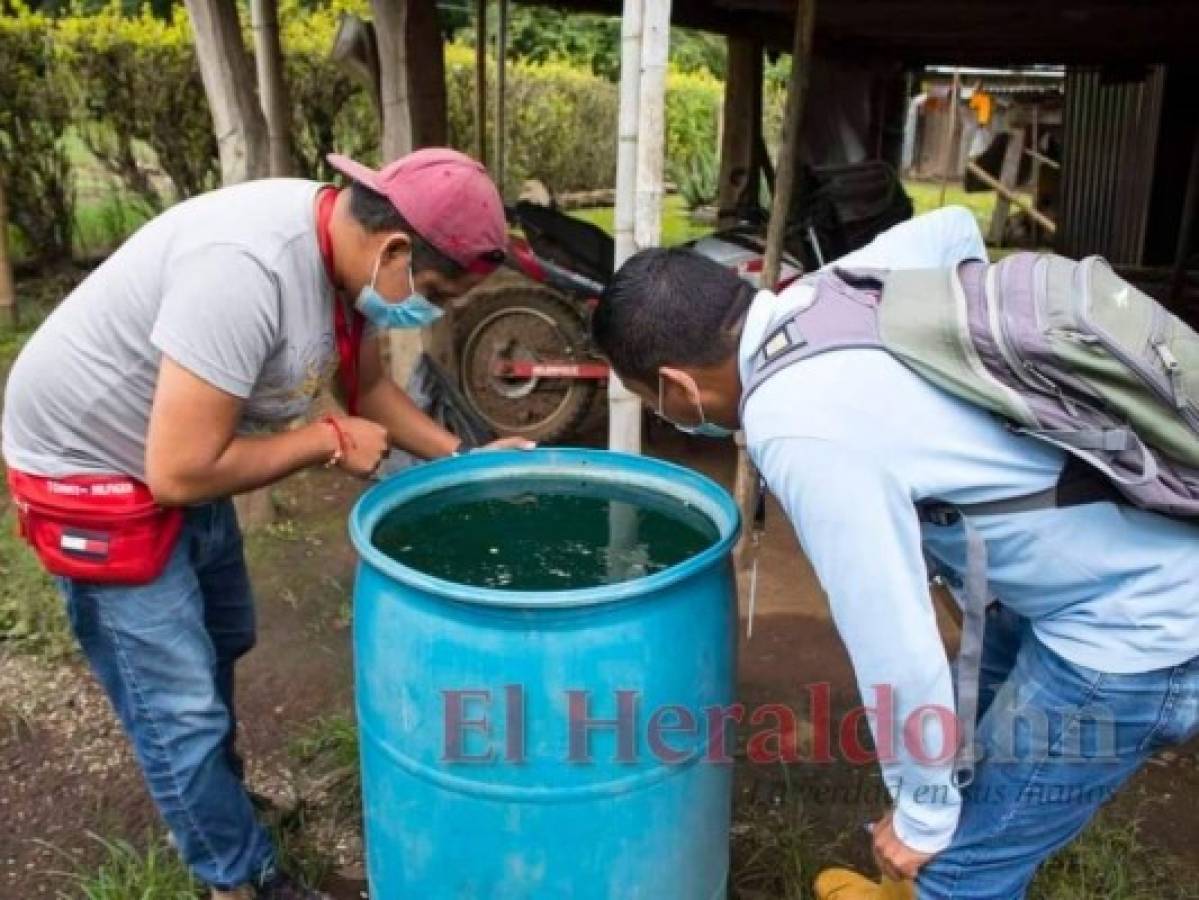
(926, 196)
(677, 226)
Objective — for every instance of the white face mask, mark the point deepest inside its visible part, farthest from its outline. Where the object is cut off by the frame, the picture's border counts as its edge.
(703, 429)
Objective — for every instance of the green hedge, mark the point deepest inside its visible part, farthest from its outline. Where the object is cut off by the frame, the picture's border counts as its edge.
(128, 89)
(35, 109)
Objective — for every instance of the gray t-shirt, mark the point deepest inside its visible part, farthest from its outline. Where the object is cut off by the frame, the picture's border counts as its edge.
(230, 285)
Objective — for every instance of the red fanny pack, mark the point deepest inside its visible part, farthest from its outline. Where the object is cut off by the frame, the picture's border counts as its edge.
(102, 528)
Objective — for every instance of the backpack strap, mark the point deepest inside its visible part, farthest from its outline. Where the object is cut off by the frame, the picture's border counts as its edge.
(968, 666)
(840, 313)
(1079, 483)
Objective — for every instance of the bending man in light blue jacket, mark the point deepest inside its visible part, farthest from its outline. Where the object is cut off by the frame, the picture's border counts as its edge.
(1091, 660)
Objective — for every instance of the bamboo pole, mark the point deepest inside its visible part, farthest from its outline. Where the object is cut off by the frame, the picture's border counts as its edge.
(624, 409)
(784, 177)
(481, 81)
(501, 95)
(746, 484)
(951, 144)
(1012, 197)
(651, 122)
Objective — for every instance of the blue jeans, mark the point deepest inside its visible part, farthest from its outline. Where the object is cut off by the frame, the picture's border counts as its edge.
(164, 653)
(1057, 740)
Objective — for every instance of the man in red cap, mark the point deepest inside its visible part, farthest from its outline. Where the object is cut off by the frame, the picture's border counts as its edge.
(163, 385)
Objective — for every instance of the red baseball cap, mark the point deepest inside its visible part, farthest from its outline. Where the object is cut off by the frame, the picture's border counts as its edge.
(447, 197)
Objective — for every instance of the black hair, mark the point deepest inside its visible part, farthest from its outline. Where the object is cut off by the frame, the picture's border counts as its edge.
(376, 213)
(669, 307)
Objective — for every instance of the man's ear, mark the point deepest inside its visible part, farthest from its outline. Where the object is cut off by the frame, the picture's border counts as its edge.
(398, 245)
(681, 381)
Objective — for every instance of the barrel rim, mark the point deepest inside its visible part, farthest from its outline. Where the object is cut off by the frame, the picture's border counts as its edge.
(661, 475)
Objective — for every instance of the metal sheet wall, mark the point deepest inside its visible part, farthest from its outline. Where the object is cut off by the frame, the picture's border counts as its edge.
(1109, 143)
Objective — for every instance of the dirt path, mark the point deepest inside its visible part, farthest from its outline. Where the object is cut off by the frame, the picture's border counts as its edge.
(65, 769)
(65, 766)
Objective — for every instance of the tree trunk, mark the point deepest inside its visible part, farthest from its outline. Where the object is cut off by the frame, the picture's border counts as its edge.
(391, 26)
(426, 74)
(228, 77)
(241, 135)
(272, 85)
(8, 295)
(742, 127)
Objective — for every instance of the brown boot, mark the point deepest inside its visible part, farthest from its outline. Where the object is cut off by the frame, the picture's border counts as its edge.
(845, 884)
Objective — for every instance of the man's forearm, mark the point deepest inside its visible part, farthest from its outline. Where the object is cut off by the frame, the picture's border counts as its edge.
(408, 427)
(247, 463)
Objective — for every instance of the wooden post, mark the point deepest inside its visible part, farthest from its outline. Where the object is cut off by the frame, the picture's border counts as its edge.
(741, 125)
(8, 294)
(481, 81)
(1186, 233)
(1034, 150)
(1009, 174)
(1012, 197)
(784, 178)
(952, 145)
(391, 30)
(501, 95)
(272, 85)
(746, 486)
(426, 74)
(228, 77)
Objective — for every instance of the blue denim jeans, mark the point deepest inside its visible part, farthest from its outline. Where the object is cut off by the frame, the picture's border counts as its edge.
(164, 653)
(1057, 740)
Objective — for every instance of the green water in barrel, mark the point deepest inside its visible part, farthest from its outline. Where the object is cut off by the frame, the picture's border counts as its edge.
(542, 534)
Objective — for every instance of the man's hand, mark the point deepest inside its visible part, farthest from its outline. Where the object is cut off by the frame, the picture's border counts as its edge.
(895, 859)
(365, 445)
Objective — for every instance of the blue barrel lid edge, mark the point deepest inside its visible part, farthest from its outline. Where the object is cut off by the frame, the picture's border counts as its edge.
(655, 474)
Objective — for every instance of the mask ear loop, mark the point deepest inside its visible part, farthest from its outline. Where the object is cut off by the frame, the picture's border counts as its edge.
(375, 270)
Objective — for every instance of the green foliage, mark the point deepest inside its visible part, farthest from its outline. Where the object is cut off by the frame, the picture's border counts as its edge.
(125, 873)
(138, 99)
(328, 751)
(329, 110)
(35, 109)
(115, 99)
(32, 616)
(561, 120)
(697, 179)
(1110, 859)
(560, 123)
(542, 34)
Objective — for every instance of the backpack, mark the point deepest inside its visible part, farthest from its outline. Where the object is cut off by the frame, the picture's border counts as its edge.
(1065, 352)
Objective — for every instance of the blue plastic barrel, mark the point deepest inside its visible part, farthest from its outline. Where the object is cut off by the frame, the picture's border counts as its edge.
(464, 699)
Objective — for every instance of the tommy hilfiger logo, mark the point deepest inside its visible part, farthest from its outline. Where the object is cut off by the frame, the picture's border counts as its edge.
(87, 544)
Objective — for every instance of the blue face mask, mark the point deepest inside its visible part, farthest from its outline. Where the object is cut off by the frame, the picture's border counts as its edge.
(415, 311)
(703, 429)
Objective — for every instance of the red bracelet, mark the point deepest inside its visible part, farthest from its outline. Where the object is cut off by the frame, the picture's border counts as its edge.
(340, 453)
